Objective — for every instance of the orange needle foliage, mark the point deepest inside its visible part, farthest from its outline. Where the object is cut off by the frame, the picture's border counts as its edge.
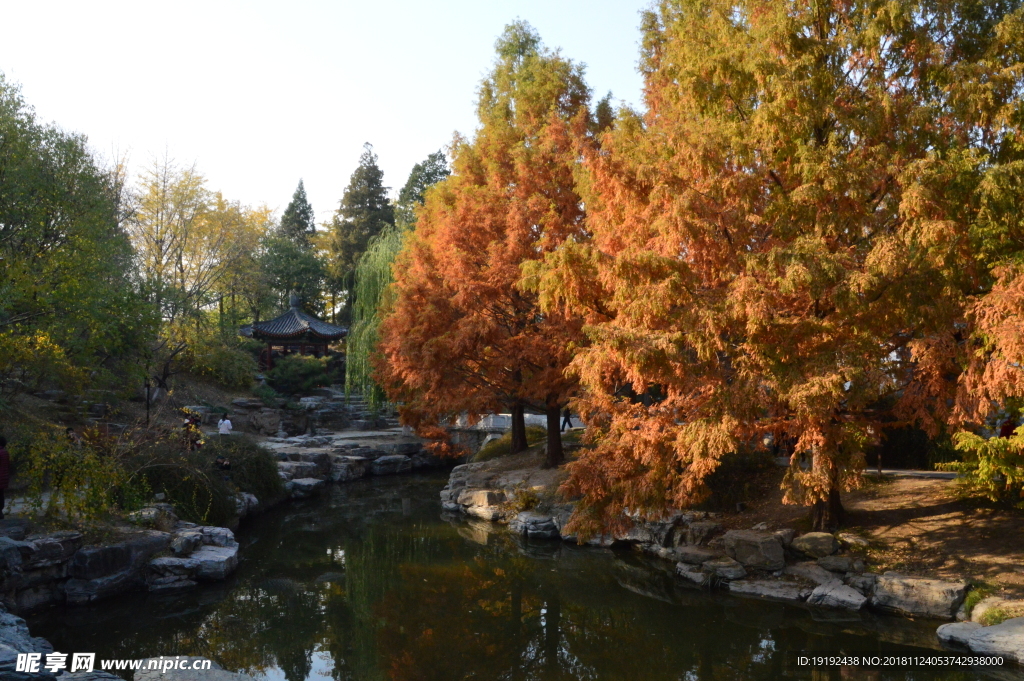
(783, 244)
(462, 335)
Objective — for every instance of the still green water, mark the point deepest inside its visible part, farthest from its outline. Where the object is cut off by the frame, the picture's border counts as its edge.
(373, 581)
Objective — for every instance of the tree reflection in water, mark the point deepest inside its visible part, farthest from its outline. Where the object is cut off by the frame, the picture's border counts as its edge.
(360, 585)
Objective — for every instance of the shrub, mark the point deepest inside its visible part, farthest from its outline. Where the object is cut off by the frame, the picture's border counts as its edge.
(226, 362)
(991, 467)
(503, 445)
(253, 467)
(299, 374)
(269, 396)
(199, 491)
(85, 483)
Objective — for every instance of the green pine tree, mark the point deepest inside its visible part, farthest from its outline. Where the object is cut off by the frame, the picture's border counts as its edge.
(363, 212)
(429, 172)
(298, 222)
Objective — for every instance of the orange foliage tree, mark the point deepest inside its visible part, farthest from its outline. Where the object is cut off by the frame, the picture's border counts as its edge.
(461, 334)
(783, 244)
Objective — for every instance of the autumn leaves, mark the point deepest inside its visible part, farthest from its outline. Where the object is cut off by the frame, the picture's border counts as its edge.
(793, 246)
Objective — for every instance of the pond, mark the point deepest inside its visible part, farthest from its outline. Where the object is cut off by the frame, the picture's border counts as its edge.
(373, 581)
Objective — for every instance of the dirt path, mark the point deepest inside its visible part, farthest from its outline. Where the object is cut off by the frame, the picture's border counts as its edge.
(919, 526)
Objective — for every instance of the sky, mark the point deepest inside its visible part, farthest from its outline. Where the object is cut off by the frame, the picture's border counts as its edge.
(260, 94)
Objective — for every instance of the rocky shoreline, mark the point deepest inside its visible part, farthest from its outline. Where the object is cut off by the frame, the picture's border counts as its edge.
(159, 552)
(817, 569)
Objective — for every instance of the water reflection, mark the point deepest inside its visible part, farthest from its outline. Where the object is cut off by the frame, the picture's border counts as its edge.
(373, 582)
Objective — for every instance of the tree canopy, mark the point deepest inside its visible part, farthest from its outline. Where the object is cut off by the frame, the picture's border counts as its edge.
(298, 222)
(463, 335)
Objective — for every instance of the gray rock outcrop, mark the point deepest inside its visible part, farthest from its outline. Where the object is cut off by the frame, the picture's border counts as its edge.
(755, 549)
(770, 588)
(815, 544)
(835, 594)
(918, 596)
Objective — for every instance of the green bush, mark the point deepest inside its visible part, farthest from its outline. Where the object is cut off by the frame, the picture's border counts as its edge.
(226, 362)
(253, 467)
(296, 374)
(503, 445)
(201, 493)
(269, 396)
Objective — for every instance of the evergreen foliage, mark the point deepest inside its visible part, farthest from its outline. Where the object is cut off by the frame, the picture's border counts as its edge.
(298, 222)
(424, 175)
(364, 211)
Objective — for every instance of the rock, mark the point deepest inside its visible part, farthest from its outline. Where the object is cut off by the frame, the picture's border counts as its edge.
(956, 634)
(185, 543)
(700, 531)
(14, 635)
(852, 540)
(157, 516)
(837, 595)
(265, 421)
(1007, 608)
(14, 528)
(864, 583)
(760, 527)
(754, 549)
(215, 562)
(298, 469)
(695, 555)
(391, 464)
(725, 568)
(345, 468)
(51, 549)
(815, 544)
(690, 574)
(841, 564)
(306, 487)
(246, 504)
(917, 596)
(1006, 639)
(217, 536)
(482, 503)
(770, 588)
(320, 460)
(785, 535)
(534, 526)
(811, 572)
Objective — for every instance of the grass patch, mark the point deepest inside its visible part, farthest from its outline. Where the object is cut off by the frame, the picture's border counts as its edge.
(994, 616)
(503, 445)
(979, 591)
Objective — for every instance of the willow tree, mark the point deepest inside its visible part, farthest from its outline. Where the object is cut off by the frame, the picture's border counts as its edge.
(373, 279)
(782, 244)
(462, 334)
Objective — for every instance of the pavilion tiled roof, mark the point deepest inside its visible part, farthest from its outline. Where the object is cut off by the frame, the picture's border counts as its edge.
(293, 325)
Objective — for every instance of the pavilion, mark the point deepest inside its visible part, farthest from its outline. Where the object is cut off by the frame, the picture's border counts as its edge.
(296, 331)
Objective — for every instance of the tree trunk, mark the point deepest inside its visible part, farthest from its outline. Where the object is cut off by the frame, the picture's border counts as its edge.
(827, 514)
(518, 429)
(555, 454)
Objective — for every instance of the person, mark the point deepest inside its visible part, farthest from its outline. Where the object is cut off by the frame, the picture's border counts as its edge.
(76, 439)
(222, 463)
(566, 419)
(224, 426)
(5, 473)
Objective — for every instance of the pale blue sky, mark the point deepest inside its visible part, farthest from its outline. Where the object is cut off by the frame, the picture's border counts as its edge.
(259, 94)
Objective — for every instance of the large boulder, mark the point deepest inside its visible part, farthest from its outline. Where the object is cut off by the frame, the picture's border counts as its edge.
(754, 549)
(700, 531)
(345, 468)
(841, 564)
(815, 544)
(391, 464)
(534, 526)
(956, 634)
(294, 470)
(695, 555)
(52, 549)
(811, 572)
(1006, 639)
(837, 595)
(186, 542)
(482, 503)
(303, 488)
(157, 516)
(918, 596)
(725, 568)
(265, 421)
(769, 588)
(320, 460)
(101, 571)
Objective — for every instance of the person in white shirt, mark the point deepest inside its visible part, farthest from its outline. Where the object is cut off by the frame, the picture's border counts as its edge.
(224, 425)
